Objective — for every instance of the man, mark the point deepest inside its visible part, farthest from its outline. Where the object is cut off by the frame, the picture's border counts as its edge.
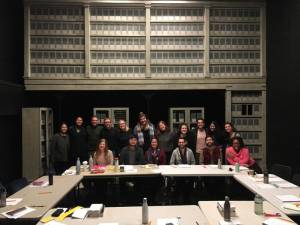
(200, 135)
(109, 133)
(78, 141)
(182, 154)
(93, 134)
(132, 154)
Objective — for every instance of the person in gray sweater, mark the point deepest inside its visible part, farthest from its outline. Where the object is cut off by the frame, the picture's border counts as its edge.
(59, 149)
(165, 139)
(182, 154)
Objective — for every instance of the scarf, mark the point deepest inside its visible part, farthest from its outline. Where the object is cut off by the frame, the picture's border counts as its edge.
(141, 135)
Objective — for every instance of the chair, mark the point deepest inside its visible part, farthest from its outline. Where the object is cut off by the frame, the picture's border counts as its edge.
(283, 171)
(296, 179)
(16, 185)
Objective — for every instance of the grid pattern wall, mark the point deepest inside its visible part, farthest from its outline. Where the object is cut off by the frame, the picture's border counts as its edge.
(57, 42)
(117, 42)
(118, 39)
(247, 117)
(234, 42)
(177, 42)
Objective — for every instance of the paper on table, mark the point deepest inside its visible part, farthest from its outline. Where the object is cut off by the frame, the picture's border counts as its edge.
(18, 215)
(265, 186)
(288, 198)
(285, 185)
(80, 213)
(233, 222)
(157, 171)
(108, 224)
(44, 184)
(164, 221)
(13, 201)
(277, 221)
(53, 222)
(291, 206)
(69, 172)
(184, 166)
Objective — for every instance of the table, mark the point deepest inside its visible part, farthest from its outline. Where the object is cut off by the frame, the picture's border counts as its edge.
(269, 194)
(133, 215)
(136, 171)
(199, 170)
(244, 211)
(42, 198)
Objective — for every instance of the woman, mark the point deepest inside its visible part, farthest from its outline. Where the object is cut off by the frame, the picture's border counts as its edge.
(124, 133)
(155, 155)
(238, 153)
(211, 152)
(230, 132)
(144, 130)
(184, 132)
(103, 156)
(215, 132)
(59, 149)
(165, 139)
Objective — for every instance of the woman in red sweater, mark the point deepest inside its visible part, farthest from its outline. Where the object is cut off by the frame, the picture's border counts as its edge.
(238, 153)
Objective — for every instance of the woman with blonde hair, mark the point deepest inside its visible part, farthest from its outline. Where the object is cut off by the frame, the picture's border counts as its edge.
(103, 156)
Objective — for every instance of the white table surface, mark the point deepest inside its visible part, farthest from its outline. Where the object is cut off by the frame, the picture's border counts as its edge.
(269, 194)
(244, 211)
(133, 215)
(42, 198)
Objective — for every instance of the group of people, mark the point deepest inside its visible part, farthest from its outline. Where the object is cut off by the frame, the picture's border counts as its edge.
(147, 144)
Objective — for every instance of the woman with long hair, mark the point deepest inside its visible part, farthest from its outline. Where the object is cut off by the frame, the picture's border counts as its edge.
(155, 155)
(165, 139)
(103, 156)
(185, 133)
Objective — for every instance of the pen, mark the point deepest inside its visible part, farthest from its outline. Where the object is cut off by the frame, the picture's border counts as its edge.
(37, 206)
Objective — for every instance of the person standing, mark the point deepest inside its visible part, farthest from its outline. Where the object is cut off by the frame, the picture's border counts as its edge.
(124, 133)
(59, 149)
(200, 135)
(93, 134)
(109, 133)
(165, 139)
(78, 141)
(144, 131)
(184, 132)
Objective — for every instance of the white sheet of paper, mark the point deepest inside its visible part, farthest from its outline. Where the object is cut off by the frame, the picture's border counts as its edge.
(13, 201)
(277, 221)
(184, 166)
(164, 221)
(80, 213)
(285, 185)
(266, 186)
(18, 215)
(233, 222)
(288, 198)
(290, 206)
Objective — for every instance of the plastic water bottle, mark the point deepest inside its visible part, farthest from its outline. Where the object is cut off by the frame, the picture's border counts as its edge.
(91, 163)
(116, 165)
(78, 166)
(219, 163)
(258, 205)
(2, 196)
(237, 167)
(145, 215)
(227, 209)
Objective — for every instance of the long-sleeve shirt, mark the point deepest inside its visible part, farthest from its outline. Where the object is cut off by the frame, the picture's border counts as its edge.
(155, 157)
(211, 154)
(242, 157)
(176, 157)
(93, 136)
(59, 148)
(132, 157)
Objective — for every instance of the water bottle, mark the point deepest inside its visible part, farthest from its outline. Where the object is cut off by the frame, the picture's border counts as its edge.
(116, 165)
(266, 177)
(78, 166)
(219, 163)
(50, 177)
(145, 215)
(2, 196)
(258, 205)
(91, 163)
(237, 167)
(227, 209)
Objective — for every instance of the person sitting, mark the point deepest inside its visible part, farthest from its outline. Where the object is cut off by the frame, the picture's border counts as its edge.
(103, 156)
(182, 154)
(155, 155)
(211, 153)
(238, 153)
(132, 154)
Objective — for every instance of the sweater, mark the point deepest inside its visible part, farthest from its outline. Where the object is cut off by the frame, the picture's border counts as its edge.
(158, 158)
(125, 156)
(165, 141)
(59, 148)
(211, 154)
(93, 136)
(102, 160)
(176, 157)
(111, 136)
(242, 157)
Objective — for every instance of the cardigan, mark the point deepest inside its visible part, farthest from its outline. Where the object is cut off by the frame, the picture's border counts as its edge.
(176, 157)
(242, 157)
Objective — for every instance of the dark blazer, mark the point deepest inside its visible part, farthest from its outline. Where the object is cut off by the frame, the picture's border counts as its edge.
(139, 156)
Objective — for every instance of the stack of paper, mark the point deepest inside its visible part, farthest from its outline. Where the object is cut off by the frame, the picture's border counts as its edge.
(80, 213)
(278, 221)
(288, 198)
